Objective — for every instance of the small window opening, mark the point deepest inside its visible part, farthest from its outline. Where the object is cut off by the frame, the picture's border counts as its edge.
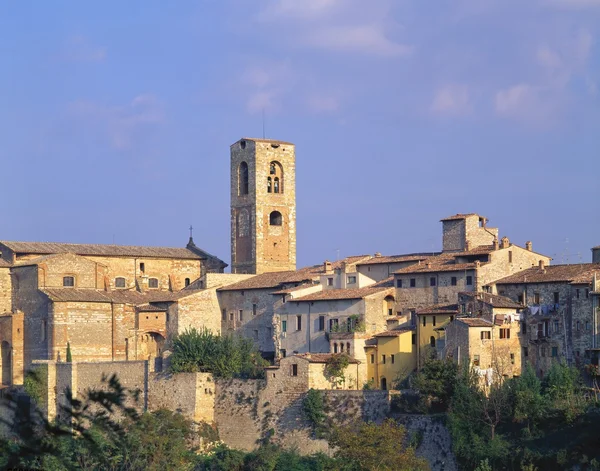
(120, 282)
(153, 283)
(69, 281)
(187, 282)
(275, 218)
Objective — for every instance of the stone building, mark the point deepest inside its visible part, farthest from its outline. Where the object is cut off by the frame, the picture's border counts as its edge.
(561, 319)
(472, 259)
(486, 335)
(107, 302)
(431, 323)
(263, 206)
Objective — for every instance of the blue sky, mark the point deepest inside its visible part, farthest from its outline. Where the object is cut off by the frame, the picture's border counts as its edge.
(116, 119)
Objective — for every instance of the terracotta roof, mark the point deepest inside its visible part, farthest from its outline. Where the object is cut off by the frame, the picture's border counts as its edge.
(338, 294)
(494, 300)
(45, 248)
(270, 141)
(395, 332)
(275, 279)
(440, 263)
(597, 247)
(459, 216)
(575, 273)
(323, 357)
(411, 257)
(293, 289)
(151, 308)
(475, 322)
(481, 250)
(439, 309)
(100, 296)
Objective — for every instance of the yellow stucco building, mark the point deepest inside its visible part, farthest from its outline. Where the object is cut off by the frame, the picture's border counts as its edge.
(391, 356)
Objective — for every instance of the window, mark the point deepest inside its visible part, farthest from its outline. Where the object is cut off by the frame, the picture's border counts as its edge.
(578, 324)
(390, 311)
(510, 256)
(321, 323)
(475, 360)
(577, 293)
(525, 352)
(351, 280)
(413, 339)
(554, 352)
(392, 359)
(536, 298)
(120, 282)
(556, 297)
(276, 174)
(272, 169)
(254, 307)
(283, 353)
(486, 335)
(587, 293)
(398, 283)
(187, 282)
(294, 370)
(275, 218)
(329, 281)
(520, 298)
(142, 267)
(224, 314)
(335, 348)
(241, 314)
(69, 281)
(523, 327)
(276, 185)
(432, 341)
(333, 323)
(453, 281)
(152, 282)
(504, 333)
(555, 326)
(587, 325)
(43, 330)
(255, 334)
(433, 319)
(372, 358)
(269, 185)
(432, 281)
(284, 326)
(512, 358)
(469, 280)
(543, 351)
(298, 322)
(243, 179)
(424, 321)
(231, 316)
(383, 359)
(413, 282)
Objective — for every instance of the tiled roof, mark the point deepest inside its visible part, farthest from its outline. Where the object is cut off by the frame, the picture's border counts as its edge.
(293, 289)
(575, 273)
(494, 300)
(44, 248)
(323, 357)
(597, 247)
(275, 279)
(481, 250)
(338, 294)
(459, 216)
(439, 309)
(150, 308)
(270, 141)
(100, 296)
(441, 263)
(411, 257)
(475, 322)
(395, 332)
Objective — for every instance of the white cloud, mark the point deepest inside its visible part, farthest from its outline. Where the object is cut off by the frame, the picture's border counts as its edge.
(452, 99)
(121, 123)
(367, 39)
(529, 104)
(78, 49)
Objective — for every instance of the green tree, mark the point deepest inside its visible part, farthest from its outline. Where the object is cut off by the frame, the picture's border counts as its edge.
(314, 410)
(376, 447)
(335, 368)
(435, 382)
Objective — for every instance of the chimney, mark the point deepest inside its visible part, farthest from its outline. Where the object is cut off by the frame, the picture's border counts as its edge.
(542, 264)
(428, 264)
(327, 266)
(496, 244)
(504, 243)
(477, 263)
(378, 254)
(528, 245)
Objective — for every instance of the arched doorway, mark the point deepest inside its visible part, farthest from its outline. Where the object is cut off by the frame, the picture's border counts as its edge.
(432, 341)
(383, 384)
(6, 363)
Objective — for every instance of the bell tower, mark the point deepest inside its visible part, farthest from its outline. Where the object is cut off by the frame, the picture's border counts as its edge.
(263, 206)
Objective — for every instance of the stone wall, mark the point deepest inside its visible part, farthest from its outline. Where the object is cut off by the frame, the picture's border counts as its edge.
(5, 290)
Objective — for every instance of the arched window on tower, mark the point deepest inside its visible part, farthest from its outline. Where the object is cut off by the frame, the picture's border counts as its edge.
(276, 175)
(275, 218)
(269, 185)
(243, 178)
